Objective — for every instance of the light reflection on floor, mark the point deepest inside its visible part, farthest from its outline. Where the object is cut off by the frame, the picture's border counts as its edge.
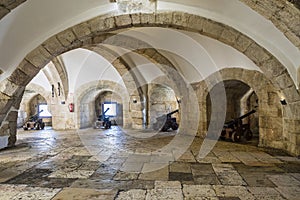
(110, 164)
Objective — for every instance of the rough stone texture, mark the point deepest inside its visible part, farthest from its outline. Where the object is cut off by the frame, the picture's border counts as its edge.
(65, 41)
(163, 18)
(53, 46)
(123, 20)
(67, 37)
(162, 101)
(273, 67)
(257, 54)
(7, 5)
(242, 43)
(136, 18)
(28, 68)
(9, 88)
(212, 28)
(26, 172)
(3, 11)
(39, 57)
(284, 15)
(229, 36)
(147, 18)
(12, 134)
(196, 22)
(85, 101)
(291, 94)
(97, 24)
(110, 23)
(269, 106)
(284, 81)
(82, 30)
(21, 78)
(132, 194)
(180, 19)
(11, 117)
(6, 104)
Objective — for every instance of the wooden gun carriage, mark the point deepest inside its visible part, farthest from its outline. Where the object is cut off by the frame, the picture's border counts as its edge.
(166, 122)
(235, 129)
(103, 120)
(34, 122)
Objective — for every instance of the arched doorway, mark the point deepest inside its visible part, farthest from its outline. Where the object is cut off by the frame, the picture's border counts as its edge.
(111, 100)
(34, 104)
(270, 111)
(162, 100)
(240, 101)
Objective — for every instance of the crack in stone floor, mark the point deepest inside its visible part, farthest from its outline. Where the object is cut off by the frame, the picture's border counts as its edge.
(109, 164)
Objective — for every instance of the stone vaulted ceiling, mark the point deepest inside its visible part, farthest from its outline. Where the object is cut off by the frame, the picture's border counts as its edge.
(279, 13)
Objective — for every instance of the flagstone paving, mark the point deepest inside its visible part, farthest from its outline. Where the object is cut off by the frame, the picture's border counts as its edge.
(121, 164)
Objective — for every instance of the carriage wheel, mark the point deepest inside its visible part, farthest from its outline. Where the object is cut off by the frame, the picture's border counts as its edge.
(223, 135)
(248, 134)
(235, 137)
(42, 125)
(174, 126)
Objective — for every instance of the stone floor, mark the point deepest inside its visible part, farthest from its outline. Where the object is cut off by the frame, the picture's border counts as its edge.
(126, 164)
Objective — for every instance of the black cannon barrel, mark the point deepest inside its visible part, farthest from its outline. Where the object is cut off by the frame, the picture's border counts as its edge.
(247, 114)
(37, 114)
(171, 113)
(105, 111)
(35, 117)
(234, 121)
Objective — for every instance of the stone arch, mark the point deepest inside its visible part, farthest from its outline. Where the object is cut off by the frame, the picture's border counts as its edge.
(284, 15)
(162, 100)
(113, 98)
(89, 31)
(129, 79)
(269, 111)
(62, 72)
(31, 91)
(275, 11)
(88, 93)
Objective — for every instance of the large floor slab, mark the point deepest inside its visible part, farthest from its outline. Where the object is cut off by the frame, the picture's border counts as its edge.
(113, 164)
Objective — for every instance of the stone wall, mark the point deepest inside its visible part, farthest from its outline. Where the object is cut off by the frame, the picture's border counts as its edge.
(271, 120)
(91, 32)
(86, 96)
(235, 90)
(283, 14)
(162, 100)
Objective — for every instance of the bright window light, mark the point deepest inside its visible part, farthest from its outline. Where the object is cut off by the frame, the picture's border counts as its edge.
(112, 108)
(43, 111)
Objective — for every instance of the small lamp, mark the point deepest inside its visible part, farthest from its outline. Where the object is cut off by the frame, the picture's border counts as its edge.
(283, 102)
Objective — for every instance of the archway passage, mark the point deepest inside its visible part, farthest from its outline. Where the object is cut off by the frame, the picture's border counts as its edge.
(162, 101)
(90, 99)
(111, 102)
(93, 108)
(33, 107)
(270, 110)
(241, 109)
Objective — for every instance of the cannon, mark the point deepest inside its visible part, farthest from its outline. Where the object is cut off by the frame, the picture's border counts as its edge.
(235, 129)
(165, 122)
(103, 120)
(34, 122)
